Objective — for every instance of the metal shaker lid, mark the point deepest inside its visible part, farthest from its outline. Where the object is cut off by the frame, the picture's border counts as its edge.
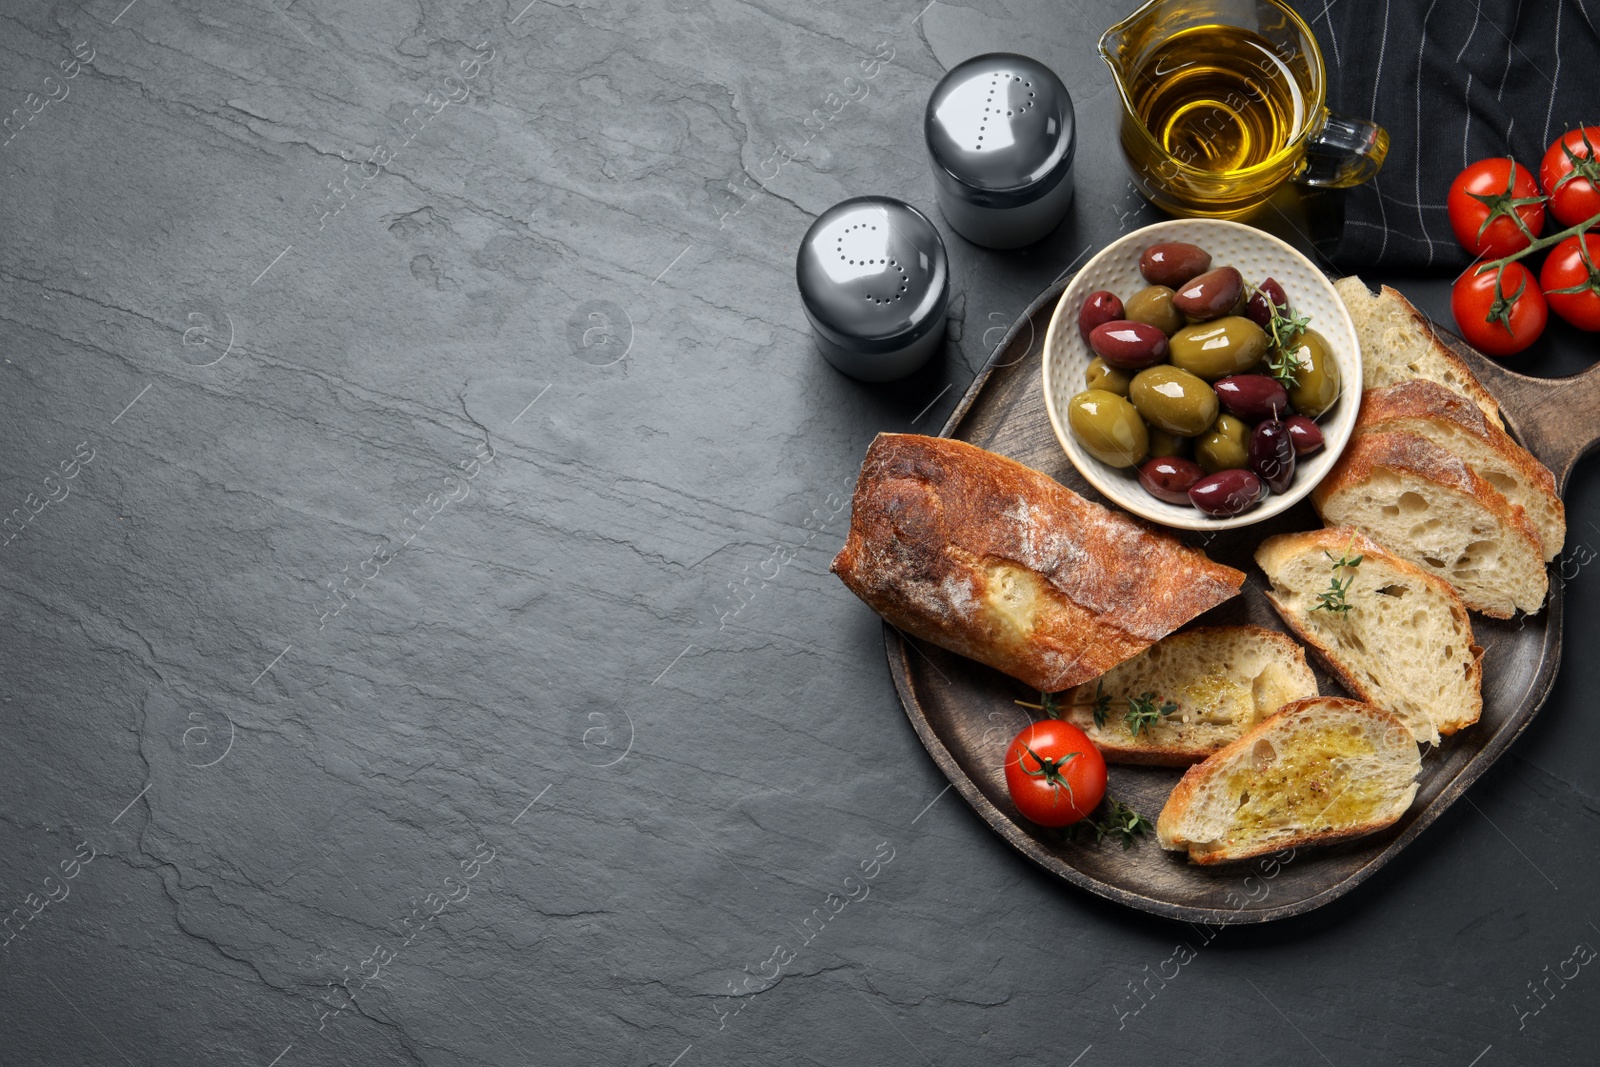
(1000, 130)
(872, 274)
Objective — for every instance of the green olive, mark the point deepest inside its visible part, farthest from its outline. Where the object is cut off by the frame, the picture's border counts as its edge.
(1213, 350)
(1163, 444)
(1317, 381)
(1108, 428)
(1154, 306)
(1225, 446)
(1102, 375)
(1174, 400)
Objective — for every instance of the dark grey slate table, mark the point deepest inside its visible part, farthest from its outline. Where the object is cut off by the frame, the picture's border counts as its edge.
(420, 647)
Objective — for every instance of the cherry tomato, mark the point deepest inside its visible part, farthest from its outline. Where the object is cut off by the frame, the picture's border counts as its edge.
(1570, 174)
(1502, 317)
(1567, 268)
(1054, 773)
(1484, 203)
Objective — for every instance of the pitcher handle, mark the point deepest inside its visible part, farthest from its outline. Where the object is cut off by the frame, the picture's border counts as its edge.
(1343, 152)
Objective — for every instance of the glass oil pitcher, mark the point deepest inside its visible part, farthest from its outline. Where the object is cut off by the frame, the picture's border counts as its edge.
(1223, 102)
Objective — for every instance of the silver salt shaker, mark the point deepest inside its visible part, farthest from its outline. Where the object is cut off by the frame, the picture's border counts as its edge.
(1001, 137)
(875, 284)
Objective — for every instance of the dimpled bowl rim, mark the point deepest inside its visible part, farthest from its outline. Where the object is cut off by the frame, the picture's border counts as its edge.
(1258, 255)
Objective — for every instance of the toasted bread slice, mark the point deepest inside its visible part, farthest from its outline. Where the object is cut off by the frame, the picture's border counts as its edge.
(1406, 643)
(1320, 770)
(1398, 343)
(1224, 680)
(1455, 424)
(1423, 503)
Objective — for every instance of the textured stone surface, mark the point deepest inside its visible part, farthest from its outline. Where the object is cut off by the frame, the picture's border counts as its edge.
(607, 652)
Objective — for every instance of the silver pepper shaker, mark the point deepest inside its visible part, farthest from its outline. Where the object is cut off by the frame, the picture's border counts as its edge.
(1001, 137)
(875, 285)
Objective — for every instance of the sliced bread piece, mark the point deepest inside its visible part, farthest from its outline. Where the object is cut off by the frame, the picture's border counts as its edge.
(1405, 644)
(1223, 679)
(1320, 770)
(1423, 503)
(1457, 425)
(1398, 342)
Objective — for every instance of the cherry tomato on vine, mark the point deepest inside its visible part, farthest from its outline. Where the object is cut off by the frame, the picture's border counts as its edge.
(1571, 281)
(1570, 174)
(1054, 773)
(1499, 312)
(1485, 202)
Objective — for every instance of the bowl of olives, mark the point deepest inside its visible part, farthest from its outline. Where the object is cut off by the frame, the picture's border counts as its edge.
(1202, 374)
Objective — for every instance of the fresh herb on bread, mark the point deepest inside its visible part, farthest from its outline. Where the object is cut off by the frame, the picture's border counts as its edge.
(1425, 504)
(1454, 423)
(1399, 343)
(983, 556)
(1218, 680)
(1405, 644)
(1318, 771)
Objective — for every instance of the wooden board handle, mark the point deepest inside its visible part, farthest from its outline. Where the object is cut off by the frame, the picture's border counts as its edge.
(1557, 419)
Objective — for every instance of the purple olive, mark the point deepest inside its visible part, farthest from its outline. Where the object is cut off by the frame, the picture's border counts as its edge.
(1272, 455)
(1100, 307)
(1128, 345)
(1252, 396)
(1210, 295)
(1306, 435)
(1256, 311)
(1227, 493)
(1169, 478)
(1173, 263)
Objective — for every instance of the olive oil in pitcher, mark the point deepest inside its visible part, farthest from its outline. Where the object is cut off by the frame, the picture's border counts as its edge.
(1219, 99)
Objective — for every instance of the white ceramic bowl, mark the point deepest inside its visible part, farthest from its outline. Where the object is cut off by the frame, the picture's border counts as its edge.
(1258, 255)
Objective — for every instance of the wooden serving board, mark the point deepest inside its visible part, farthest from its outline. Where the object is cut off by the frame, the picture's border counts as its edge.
(965, 715)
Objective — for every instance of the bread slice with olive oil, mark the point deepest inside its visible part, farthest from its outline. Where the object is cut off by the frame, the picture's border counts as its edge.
(1393, 634)
(1454, 423)
(1399, 343)
(1205, 687)
(1318, 771)
(1425, 504)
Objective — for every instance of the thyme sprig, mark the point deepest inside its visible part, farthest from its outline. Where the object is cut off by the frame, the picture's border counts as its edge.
(1333, 599)
(1284, 328)
(1102, 703)
(1121, 822)
(1144, 712)
(1052, 708)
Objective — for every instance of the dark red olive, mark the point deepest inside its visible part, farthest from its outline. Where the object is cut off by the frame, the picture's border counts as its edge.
(1227, 493)
(1169, 478)
(1252, 397)
(1128, 345)
(1173, 263)
(1272, 455)
(1210, 295)
(1256, 311)
(1306, 435)
(1099, 307)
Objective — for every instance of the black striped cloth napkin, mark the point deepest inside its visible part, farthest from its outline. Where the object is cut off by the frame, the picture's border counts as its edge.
(1453, 81)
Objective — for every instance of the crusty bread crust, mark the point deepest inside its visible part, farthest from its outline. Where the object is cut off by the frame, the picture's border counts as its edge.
(1276, 553)
(1195, 778)
(1412, 406)
(1364, 306)
(990, 559)
(1407, 453)
(1117, 745)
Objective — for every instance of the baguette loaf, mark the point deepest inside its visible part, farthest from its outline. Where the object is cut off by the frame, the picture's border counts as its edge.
(1224, 679)
(1405, 644)
(983, 556)
(1450, 421)
(1423, 503)
(1320, 770)
(1398, 343)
